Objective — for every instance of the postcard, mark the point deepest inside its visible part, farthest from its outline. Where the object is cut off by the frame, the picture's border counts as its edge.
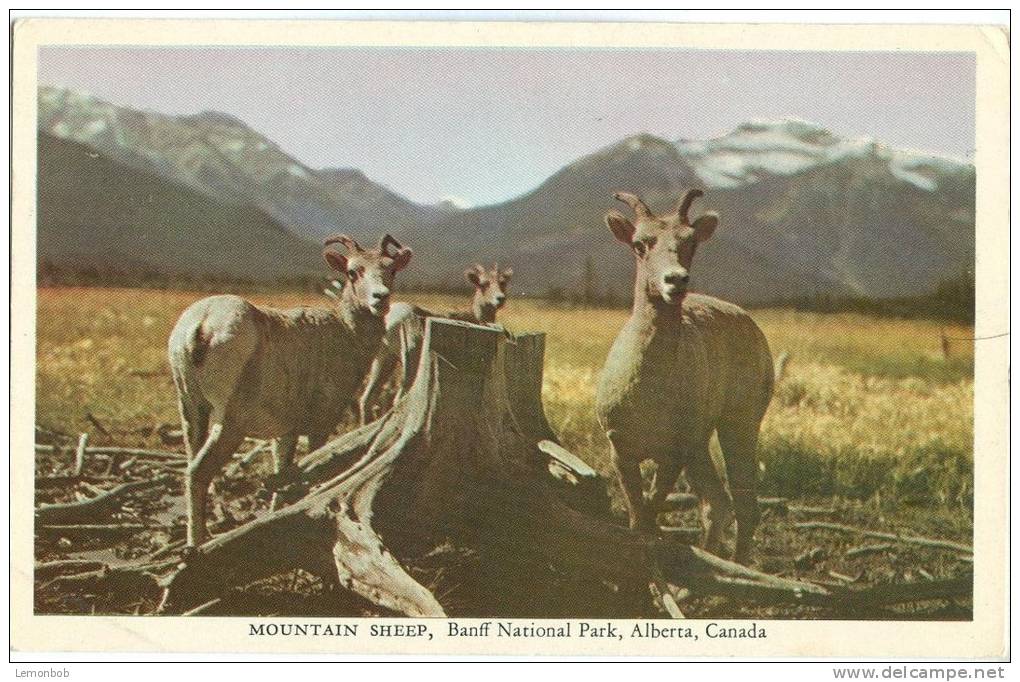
(610, 339)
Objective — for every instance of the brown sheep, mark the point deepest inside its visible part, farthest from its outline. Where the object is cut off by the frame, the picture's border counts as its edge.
(683, 366)
(246, 370)
(405, 329)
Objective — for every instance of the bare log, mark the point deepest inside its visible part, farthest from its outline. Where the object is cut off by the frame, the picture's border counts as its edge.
(908, 539)
(79, 454)
(91, 509)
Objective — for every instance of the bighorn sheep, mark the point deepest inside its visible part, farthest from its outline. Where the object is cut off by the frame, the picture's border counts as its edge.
(682, 367)
(405, 325)
(245, 370)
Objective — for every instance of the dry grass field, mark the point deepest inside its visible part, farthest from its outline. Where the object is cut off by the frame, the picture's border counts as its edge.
(868, 407)
(869, 421)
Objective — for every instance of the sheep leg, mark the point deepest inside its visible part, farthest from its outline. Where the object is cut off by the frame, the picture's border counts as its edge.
(716, 506)
(283, 461)
(739, 447)
(628, 470)
(215, 453)
(194, 423)
(666, 474)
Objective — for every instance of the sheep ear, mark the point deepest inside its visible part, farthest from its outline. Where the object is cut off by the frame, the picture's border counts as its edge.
(507, 274)
(704, 226)
(622, 228)
(401, 258)
(335, 260)
(472, 275)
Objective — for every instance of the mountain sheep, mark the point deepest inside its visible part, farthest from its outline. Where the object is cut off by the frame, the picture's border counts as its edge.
(683, 366)
(405, 329)
(246, 370)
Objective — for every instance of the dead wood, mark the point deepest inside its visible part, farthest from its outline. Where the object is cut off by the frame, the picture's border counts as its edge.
(457, 459)
(79, 455)
(141, 453)
(92, 419)
(811, 511)
(94, 508)
(865, 550)
(465, 459)
(248, 458)
(908, 539)
(48, 569)
(680, 501)
(96, 530)
(68, 481)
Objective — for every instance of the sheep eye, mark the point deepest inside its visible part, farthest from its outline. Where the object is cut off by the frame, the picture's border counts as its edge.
(641, 247)
(352, 274)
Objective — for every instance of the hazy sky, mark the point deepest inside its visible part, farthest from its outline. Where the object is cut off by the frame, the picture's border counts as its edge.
(486, 124)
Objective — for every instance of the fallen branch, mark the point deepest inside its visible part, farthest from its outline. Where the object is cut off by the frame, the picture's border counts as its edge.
(66, 481)
(811, 511)
(900, 593)
(97, 529)
(199, 610)
(566, 459)
(865, 550)
(909, 539)
(130, 452)
(678, 501)
(257, 450)
(79, 454)
(101, 505)
(47, 569)
(96, 423)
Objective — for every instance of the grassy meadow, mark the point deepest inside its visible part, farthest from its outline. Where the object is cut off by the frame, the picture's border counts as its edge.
(868, 409)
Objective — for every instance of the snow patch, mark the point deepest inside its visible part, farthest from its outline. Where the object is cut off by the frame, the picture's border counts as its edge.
(761, 148)
(455, 201)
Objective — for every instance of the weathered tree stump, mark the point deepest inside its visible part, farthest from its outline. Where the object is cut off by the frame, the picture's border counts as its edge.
(465, 461)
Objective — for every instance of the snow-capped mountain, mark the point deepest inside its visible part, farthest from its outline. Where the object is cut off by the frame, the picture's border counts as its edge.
(804, 211)
(759, 149)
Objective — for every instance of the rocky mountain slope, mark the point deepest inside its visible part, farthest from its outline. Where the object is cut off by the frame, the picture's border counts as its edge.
(804, 212)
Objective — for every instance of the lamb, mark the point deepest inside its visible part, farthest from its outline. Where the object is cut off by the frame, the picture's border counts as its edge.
(683, 366)
(246, 370)
(405, 328)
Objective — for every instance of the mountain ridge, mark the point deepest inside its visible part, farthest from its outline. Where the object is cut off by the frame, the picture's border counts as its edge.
(804, 212)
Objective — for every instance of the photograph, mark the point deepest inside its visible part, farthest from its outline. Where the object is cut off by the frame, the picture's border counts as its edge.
(511, 338)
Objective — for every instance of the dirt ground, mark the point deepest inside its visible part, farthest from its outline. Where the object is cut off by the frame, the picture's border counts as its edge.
(151, 524)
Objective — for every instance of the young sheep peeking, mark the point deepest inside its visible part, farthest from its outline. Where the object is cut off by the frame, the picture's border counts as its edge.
(683, 366)
(246, 370)
(405, 329)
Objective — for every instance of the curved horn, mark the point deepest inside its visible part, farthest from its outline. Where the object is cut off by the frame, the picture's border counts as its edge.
(344, 239)
(386, 242)
(636, 204)
(685, 204)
